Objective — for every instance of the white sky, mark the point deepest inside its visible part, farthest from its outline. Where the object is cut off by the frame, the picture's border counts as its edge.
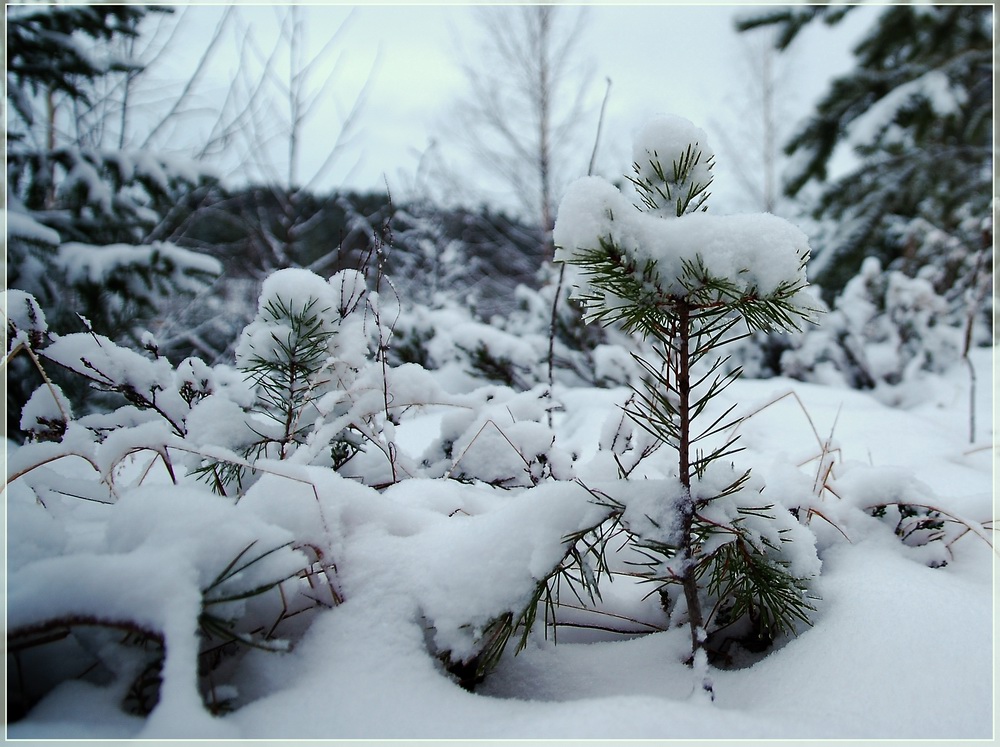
(684, 60)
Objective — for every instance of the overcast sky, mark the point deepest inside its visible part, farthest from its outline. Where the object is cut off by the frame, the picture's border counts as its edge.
(684, 60)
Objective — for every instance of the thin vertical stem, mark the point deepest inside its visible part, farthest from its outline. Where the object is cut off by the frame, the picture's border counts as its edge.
(684, 393)
(290, 407)
(545, 125)
(689, 578)
(554, 320)
(126, 91)
(50, 146)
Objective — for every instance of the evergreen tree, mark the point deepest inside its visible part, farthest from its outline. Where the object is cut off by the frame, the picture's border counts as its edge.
(917, 112)
(79, 219)
(44, 56)
(685, 281)
(75, 211)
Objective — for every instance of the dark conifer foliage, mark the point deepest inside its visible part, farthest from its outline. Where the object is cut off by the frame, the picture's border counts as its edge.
(60, 190)
(84, 220)
(917, 112)
(43, 56)
(481, 255)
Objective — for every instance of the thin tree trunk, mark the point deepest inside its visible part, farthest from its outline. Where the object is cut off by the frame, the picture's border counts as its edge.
(544, 128)
(683, 370)
(126, 95)
(770, 136)
(294, 98)
(689, 578)
(50, 145)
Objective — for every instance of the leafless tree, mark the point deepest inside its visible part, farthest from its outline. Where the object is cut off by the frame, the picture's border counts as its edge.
(525, 96)
(297, 78)
(142, 107)
(276, 97)
(759, 119)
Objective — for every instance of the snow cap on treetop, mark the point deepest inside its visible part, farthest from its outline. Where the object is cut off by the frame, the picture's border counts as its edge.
(756, 254)
(664, 139)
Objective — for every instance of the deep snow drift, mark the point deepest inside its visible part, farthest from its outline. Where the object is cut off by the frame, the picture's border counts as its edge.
(898, 649)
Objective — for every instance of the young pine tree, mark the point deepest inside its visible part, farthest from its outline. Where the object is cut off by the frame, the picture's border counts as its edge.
(688, 283)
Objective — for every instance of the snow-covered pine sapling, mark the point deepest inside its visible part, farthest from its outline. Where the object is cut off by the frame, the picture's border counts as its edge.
(688, 283)
(293, 354)
(286, 366)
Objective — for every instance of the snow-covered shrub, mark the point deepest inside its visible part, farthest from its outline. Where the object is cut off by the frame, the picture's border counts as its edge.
(496, 355)
(956, 262)
(904, 506)
(25, 320)
(152, 385)
(500, 437)
(885, 329)
(46, 414)
(295, 351)
(919, 297)
(516, 350)
(449, 339)
(136, 575)
(148, 593)
(305, 376)
(684, 280)
(314, 391)
(125, 540)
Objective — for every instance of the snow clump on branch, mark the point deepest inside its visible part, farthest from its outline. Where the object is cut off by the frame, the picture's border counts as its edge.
(757, 255)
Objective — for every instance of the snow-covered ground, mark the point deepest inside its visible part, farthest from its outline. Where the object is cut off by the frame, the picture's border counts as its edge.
(897, 649)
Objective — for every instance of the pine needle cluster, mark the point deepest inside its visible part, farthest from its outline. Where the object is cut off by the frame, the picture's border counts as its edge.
(286, 376)
(676, 188)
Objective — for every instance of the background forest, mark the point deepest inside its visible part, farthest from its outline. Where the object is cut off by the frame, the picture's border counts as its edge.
(901, 242)
(256, 334)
